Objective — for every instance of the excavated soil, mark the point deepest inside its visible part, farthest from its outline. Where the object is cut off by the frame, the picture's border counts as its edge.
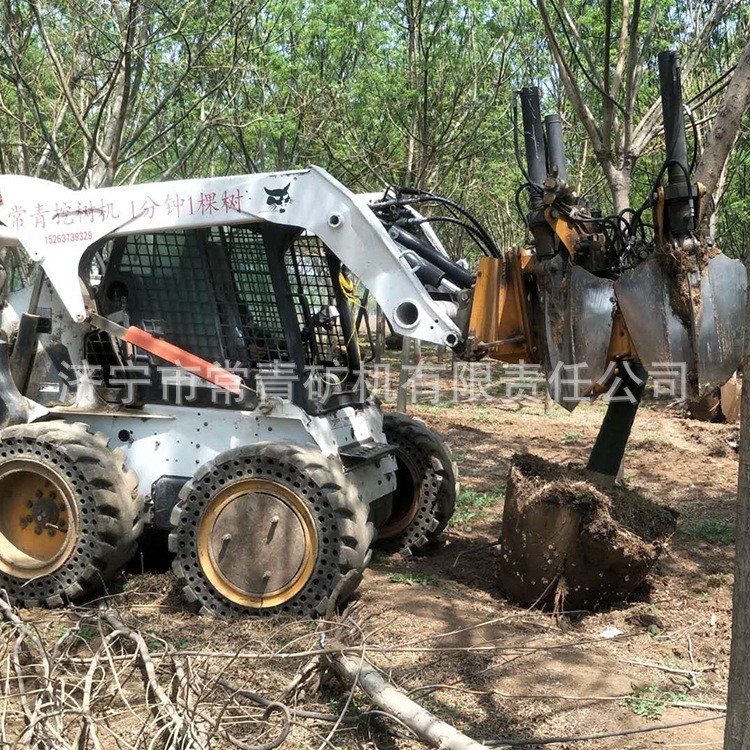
(573, 544)
(678, 262)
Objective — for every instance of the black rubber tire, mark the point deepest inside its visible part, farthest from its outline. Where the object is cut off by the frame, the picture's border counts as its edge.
(438, 483)
(110, 510)
(344, 533)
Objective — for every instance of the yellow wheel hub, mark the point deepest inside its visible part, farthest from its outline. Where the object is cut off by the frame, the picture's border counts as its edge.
(38, 519)
(257, 543)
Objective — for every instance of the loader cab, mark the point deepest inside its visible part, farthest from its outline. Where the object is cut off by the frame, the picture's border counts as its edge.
(262, 300)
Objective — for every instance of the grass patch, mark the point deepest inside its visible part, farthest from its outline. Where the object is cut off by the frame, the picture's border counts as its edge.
(87, 633)
(436, 408)
(464, 516)
(469, 498)
(571, 437)
(414, 579)
(336, 704)
(533, 411)
(648, 701)
(712, 532)
(470, 505)
(651, 437)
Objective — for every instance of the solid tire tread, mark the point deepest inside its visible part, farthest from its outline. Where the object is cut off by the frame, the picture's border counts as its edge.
(324, 479)
(439, 488)
(111, 511)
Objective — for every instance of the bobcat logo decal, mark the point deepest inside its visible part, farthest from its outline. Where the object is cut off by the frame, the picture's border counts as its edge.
(278, 199)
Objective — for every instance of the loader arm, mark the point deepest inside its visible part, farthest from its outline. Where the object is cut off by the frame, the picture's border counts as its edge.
(57, 228)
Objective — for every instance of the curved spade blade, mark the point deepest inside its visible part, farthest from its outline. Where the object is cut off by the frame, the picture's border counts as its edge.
(705, 341)
(721, 321)
(578, 326)
(657, 332)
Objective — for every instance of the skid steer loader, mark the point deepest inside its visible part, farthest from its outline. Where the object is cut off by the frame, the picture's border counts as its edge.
(185, 359)
(181, 356)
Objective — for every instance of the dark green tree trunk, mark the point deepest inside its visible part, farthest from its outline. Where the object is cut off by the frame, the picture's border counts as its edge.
(737, 733)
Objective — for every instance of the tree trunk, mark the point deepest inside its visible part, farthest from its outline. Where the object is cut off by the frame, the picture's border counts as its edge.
(618, 180)
(379, 334)
(412, 22)
(403, 375)
(728, 121)
(718, 194)
(737, 732)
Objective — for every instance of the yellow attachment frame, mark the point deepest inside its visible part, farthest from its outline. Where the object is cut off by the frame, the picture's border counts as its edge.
(499, 315)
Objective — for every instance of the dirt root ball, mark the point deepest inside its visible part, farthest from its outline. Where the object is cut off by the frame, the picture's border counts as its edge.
(571, 544)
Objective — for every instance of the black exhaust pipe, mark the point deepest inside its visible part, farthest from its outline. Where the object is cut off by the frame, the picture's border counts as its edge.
(678, 193)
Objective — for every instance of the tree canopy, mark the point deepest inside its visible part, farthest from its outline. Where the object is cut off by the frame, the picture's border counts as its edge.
(417, 92)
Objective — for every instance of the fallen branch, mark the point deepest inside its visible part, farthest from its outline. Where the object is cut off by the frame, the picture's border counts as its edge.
(276, 741)
(692, 674)
(259, 656)
(48, 700)
(383, 694)
(43, 718)
(663, 668)
(175, 725)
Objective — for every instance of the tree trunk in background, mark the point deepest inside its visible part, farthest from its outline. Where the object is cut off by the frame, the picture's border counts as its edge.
(403, 375)
(379, 334)
(737, 733)
(722, 137)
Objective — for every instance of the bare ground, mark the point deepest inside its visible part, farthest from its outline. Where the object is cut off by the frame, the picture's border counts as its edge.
(439, 628)
(682, 620)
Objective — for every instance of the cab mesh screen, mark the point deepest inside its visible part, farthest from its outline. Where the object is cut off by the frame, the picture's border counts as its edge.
(248, 311)
(211, 293)
(311, 279)
(169, 292)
